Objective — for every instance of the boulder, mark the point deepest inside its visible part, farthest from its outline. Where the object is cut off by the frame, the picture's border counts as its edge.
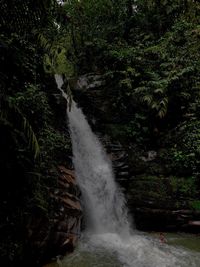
(89, 81)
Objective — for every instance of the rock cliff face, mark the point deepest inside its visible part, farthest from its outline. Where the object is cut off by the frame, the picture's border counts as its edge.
(67, 220)
(156, 197)
(159, 200)
(59, 234)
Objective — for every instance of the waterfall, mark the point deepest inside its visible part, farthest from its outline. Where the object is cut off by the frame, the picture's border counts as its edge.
(108, 226)
(104, 201)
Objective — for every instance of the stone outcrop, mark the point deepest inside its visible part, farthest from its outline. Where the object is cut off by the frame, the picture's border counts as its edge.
(66, 221)
(168, 220)
(89, 81)
(88, 94)
(159, 199)
(57, 234)
(119, 158)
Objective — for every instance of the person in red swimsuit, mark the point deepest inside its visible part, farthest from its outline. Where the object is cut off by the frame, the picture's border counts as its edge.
(162, 238)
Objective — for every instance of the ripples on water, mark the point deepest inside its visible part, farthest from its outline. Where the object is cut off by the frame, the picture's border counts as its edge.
(109, 250)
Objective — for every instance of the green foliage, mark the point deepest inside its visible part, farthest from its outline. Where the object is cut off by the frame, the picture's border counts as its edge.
(160, 16)
(23, 17)
(92, 23)
(93, 19)
(153, 94)
(184, 187)
(186, 151)
(55, 145)
(195, 204)
(160, 77)
(59, 55)
(134, 131)
(34, 103)
(11, 115)
(19, 58)
(30, 135)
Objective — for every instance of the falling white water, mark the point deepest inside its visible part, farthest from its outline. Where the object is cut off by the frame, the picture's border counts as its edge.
(109, 241)
(104, 202)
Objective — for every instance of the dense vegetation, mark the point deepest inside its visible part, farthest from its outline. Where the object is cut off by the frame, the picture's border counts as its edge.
(147, 52)
(33, 135)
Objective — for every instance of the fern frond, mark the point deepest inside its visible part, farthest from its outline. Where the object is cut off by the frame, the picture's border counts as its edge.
(147, 99)
(164, 102)
(163, 105)
(185, 95)
(162, 113)
(159, 91)
(31, 137)
(155, 106)
(11, 114)
(139, 90)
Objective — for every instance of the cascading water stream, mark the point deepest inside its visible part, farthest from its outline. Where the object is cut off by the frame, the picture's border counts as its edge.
(108, 227)
(104, 201)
